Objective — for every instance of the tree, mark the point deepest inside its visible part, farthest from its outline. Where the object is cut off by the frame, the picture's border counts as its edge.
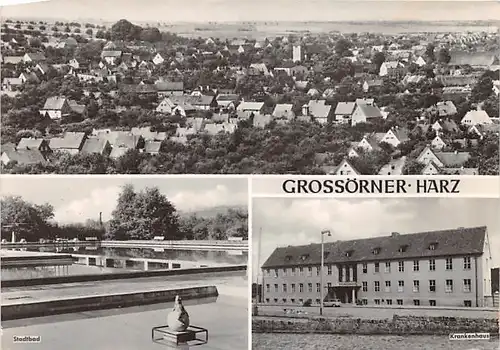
(143, 215)
(412, 167)
(89, 31)
(124, 30)
(483, 89)
(27, 220)
(342, 47)
(429, 52)
(378, 59)
(444, 55)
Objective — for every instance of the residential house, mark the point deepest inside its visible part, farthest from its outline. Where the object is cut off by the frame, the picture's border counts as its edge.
(438, 143)
(446, 108)
(478, 117)
(391, 68)
(94, 145)
(29, 78)
(443, 160)
(166, 106)
(152, 147)
(394, 167)
(364, 113)
(396, 136)
(42, 68)
(420, 61)
(251, 107)
(111, 56)
(318, 110)
(481, 60)
(372, 85)
(10, 84)
(261, 121)
(344, 111)
(71, 142)
(370, 142)
(39, 144)
(496, 87)
(483, 129)
(227, 101)
(12, 60)
(56, 107)
(260, 67)
(169, 88)
(283, 111)
(445, 125)
(34, 57)
(158, 59)
(345, 168)
(22, 157)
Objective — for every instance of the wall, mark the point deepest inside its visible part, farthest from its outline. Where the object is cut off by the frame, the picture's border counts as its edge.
(402, 325)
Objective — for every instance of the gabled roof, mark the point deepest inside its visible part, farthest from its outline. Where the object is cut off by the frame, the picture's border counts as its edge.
(70, 140)
(369, 111)
(472, 58)
(345, 108)
(54, 103)
(451, 242)
(152, 146)
(250, 106)
(283, 111)
(479, 117)
(35, 56)
(318, 109)
(453, 159)
(169, 85)
(446, 108)
(110, 53)
(30, 143)
(25, 156)
(94, 145)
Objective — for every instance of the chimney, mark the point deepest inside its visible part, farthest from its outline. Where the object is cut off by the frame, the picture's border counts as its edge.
(394, 234)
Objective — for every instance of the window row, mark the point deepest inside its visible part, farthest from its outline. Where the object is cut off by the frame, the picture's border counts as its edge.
(416, 286)
(416, 265)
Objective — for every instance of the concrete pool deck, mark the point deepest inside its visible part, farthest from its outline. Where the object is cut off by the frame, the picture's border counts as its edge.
(130, 328)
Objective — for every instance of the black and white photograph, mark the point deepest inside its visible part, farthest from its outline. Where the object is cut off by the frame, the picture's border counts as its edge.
(379, 273)
(250, 87)
(124, 263)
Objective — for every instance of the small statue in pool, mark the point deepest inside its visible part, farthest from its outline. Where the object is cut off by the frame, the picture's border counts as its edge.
(178, 318)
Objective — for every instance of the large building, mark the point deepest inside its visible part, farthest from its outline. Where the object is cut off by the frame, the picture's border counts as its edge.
(437, 268)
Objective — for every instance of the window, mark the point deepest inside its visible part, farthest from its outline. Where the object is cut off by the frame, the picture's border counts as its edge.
(292, 301)
(401, 286)
(377, 301)
(284, 288)
(432, 285)
(387, 286)
(349, 253)
(301, 288)
(329, 285)
(276, 300)
(376, 251)
(416, 302)
(310, 287)
(377, 267)
(268, 288)
(292, 271)
(432, 265)
(301, 271)
(467, 263)
(329, 272)
(293, 287)
(267, 300)
(403, 248)
(276, 288)
(432, 302)
(318, 269)
(432, 246)
(377, 286)
(399, 301)
(401, 266)
(387, 267)
(449, 286)
(365, 286)
(309, 271)
(468, 303)
(388, 301)
(467, 286)
(365, 301)
(416, 286)
(449, 264)
(365, 267)
(268, 272)
(416, 265)
(284, 300)
(318, 301)
(275, 273)
(284, 272)
(301, 301)
(318, 288)
(304, 257)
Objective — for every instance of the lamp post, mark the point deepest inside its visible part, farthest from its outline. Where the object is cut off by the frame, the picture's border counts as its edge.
(324, 232)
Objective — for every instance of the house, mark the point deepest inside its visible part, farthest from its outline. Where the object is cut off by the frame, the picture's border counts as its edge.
(445, 125)
(34, 57)
(29, 143)
(169, 88)
(261, 121)
(370, 142)
(446, 108)
(283, 111)
(152, 147)
(318, 110)
(110, 56)
(443, 159)
(198, 102)
(95, 145)
(71, 142)
(13, 60)
(483, 129)
(438, 143)
(481, 60)
(251, 107)
(10, 84)
(372, 85)
(165, 106)
(364, 113)
(395, 136)
(394, 167)
(260, 67)
(496, 87)
(344, 111)
(420, 61)
(345, 168)
(391, 68)
(22, 157)
(56, 107)
(431, 168)
(227, 101)
(29, 77)
(42, 68)
(478, 117)
(158, 59)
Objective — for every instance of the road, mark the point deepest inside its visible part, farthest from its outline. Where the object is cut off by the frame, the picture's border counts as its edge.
(130, 328)
(232, 283)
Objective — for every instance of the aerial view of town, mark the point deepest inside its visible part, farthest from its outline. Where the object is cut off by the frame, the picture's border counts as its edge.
(249, 97)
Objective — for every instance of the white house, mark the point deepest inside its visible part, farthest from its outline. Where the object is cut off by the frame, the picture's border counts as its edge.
(395, 137)
(158, 59)
(165, 106)
(478, 117)
(438, 143)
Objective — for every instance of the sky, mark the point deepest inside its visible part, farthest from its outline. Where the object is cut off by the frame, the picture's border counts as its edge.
(282, 222)
(76, 199)
(256, 10)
